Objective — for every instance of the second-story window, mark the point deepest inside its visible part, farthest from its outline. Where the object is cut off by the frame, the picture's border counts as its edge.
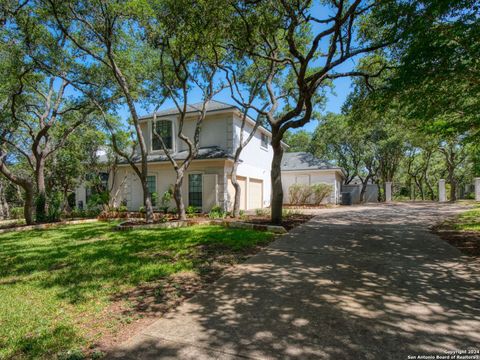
(164, 129)
(264, 141)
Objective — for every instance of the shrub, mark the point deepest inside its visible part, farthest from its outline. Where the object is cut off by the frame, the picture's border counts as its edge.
(261, 212)
(16, 213)
(99, 199)
(191, 210)
(286, 213)
(53, 213)
(294, 193)
(320, 192)
(40, 204)
(78, 213)
(217, 213)
(300, 194)
(306, 192)
(122, 209)
(166, 199)
(154, 197)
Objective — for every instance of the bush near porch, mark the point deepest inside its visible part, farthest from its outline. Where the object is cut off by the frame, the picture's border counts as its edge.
(63, 290)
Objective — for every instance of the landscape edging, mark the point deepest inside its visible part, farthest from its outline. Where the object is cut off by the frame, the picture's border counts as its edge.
(46, 225)
(232, 224)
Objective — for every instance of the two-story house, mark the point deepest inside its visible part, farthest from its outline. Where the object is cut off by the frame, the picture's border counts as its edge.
(207, 180)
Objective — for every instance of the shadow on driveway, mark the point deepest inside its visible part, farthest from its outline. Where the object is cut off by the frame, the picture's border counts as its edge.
(361, 283)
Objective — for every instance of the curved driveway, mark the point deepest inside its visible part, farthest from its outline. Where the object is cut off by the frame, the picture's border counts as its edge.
(365, 282)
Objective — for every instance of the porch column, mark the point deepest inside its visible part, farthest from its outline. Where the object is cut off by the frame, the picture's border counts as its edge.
(477, 189)
(388, 191)
(442, 195)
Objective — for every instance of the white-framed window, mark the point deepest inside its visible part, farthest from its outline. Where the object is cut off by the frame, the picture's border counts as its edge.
(164, 128)
(264, 143)
(195, 190)
(152, 188)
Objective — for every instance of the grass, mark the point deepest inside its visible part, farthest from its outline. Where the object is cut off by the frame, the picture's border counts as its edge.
(55, 284)
(468, 221)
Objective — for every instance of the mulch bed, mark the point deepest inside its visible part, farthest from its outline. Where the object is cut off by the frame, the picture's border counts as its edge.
(468, 242)
(307, 206)
(289, 222)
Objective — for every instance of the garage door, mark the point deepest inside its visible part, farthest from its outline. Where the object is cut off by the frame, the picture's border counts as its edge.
(255, 195)
(243, 194)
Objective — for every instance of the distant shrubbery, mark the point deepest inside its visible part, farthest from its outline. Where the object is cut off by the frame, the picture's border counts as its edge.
(302, 194)
(16, 213)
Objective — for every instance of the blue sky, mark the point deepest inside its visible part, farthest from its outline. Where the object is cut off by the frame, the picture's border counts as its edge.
(335, 98)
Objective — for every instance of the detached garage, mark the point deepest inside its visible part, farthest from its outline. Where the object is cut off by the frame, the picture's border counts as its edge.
(304, 168)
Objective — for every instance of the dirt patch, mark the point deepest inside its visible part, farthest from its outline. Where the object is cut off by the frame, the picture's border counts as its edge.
(468, 242)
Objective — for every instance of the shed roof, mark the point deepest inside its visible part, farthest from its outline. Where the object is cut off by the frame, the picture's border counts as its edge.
(305, 161)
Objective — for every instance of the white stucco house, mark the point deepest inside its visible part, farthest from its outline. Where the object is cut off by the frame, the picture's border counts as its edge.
(207, 180)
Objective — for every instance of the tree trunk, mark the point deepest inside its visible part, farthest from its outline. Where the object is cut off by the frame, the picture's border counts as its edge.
(419, 184)
(430, 190)
(363, 191)
(276, 178)
(3, 208)
(147, 201)
(28, 205)
(66, 206)
(41, 206)
(238, 191)
(453, 190)
(177, 196)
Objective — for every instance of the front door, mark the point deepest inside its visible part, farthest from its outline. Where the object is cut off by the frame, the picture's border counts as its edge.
(195, 190)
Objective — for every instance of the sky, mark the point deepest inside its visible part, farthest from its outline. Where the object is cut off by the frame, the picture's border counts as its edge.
(335, 98)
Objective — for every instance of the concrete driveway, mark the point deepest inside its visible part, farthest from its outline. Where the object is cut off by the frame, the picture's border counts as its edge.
(365, 282)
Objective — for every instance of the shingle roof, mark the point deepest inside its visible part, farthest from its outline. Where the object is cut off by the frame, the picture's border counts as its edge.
(211, 152)
(305, 161)
(212, 105)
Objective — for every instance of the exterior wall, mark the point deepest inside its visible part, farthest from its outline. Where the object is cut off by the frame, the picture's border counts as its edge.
(255, 160)
(214, 131)
(128, 187)
(222, 130)
(310, 177)
(371, 193)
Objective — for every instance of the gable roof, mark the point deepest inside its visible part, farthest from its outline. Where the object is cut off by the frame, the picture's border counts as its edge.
(305, 161)
(212, 105)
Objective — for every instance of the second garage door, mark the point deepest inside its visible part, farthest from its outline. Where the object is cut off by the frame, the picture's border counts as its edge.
(255, 194)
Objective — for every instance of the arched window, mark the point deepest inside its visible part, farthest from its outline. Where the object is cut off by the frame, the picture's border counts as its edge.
(164, 129)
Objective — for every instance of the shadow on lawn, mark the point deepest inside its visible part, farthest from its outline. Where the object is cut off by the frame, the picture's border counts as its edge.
(83, 260)
(87, 264)
(369, 285)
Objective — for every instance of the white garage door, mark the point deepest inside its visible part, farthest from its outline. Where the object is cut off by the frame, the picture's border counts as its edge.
(255, 194)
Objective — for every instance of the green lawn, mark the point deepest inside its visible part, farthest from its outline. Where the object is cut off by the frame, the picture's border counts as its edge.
(55, 284)
(469, 220)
